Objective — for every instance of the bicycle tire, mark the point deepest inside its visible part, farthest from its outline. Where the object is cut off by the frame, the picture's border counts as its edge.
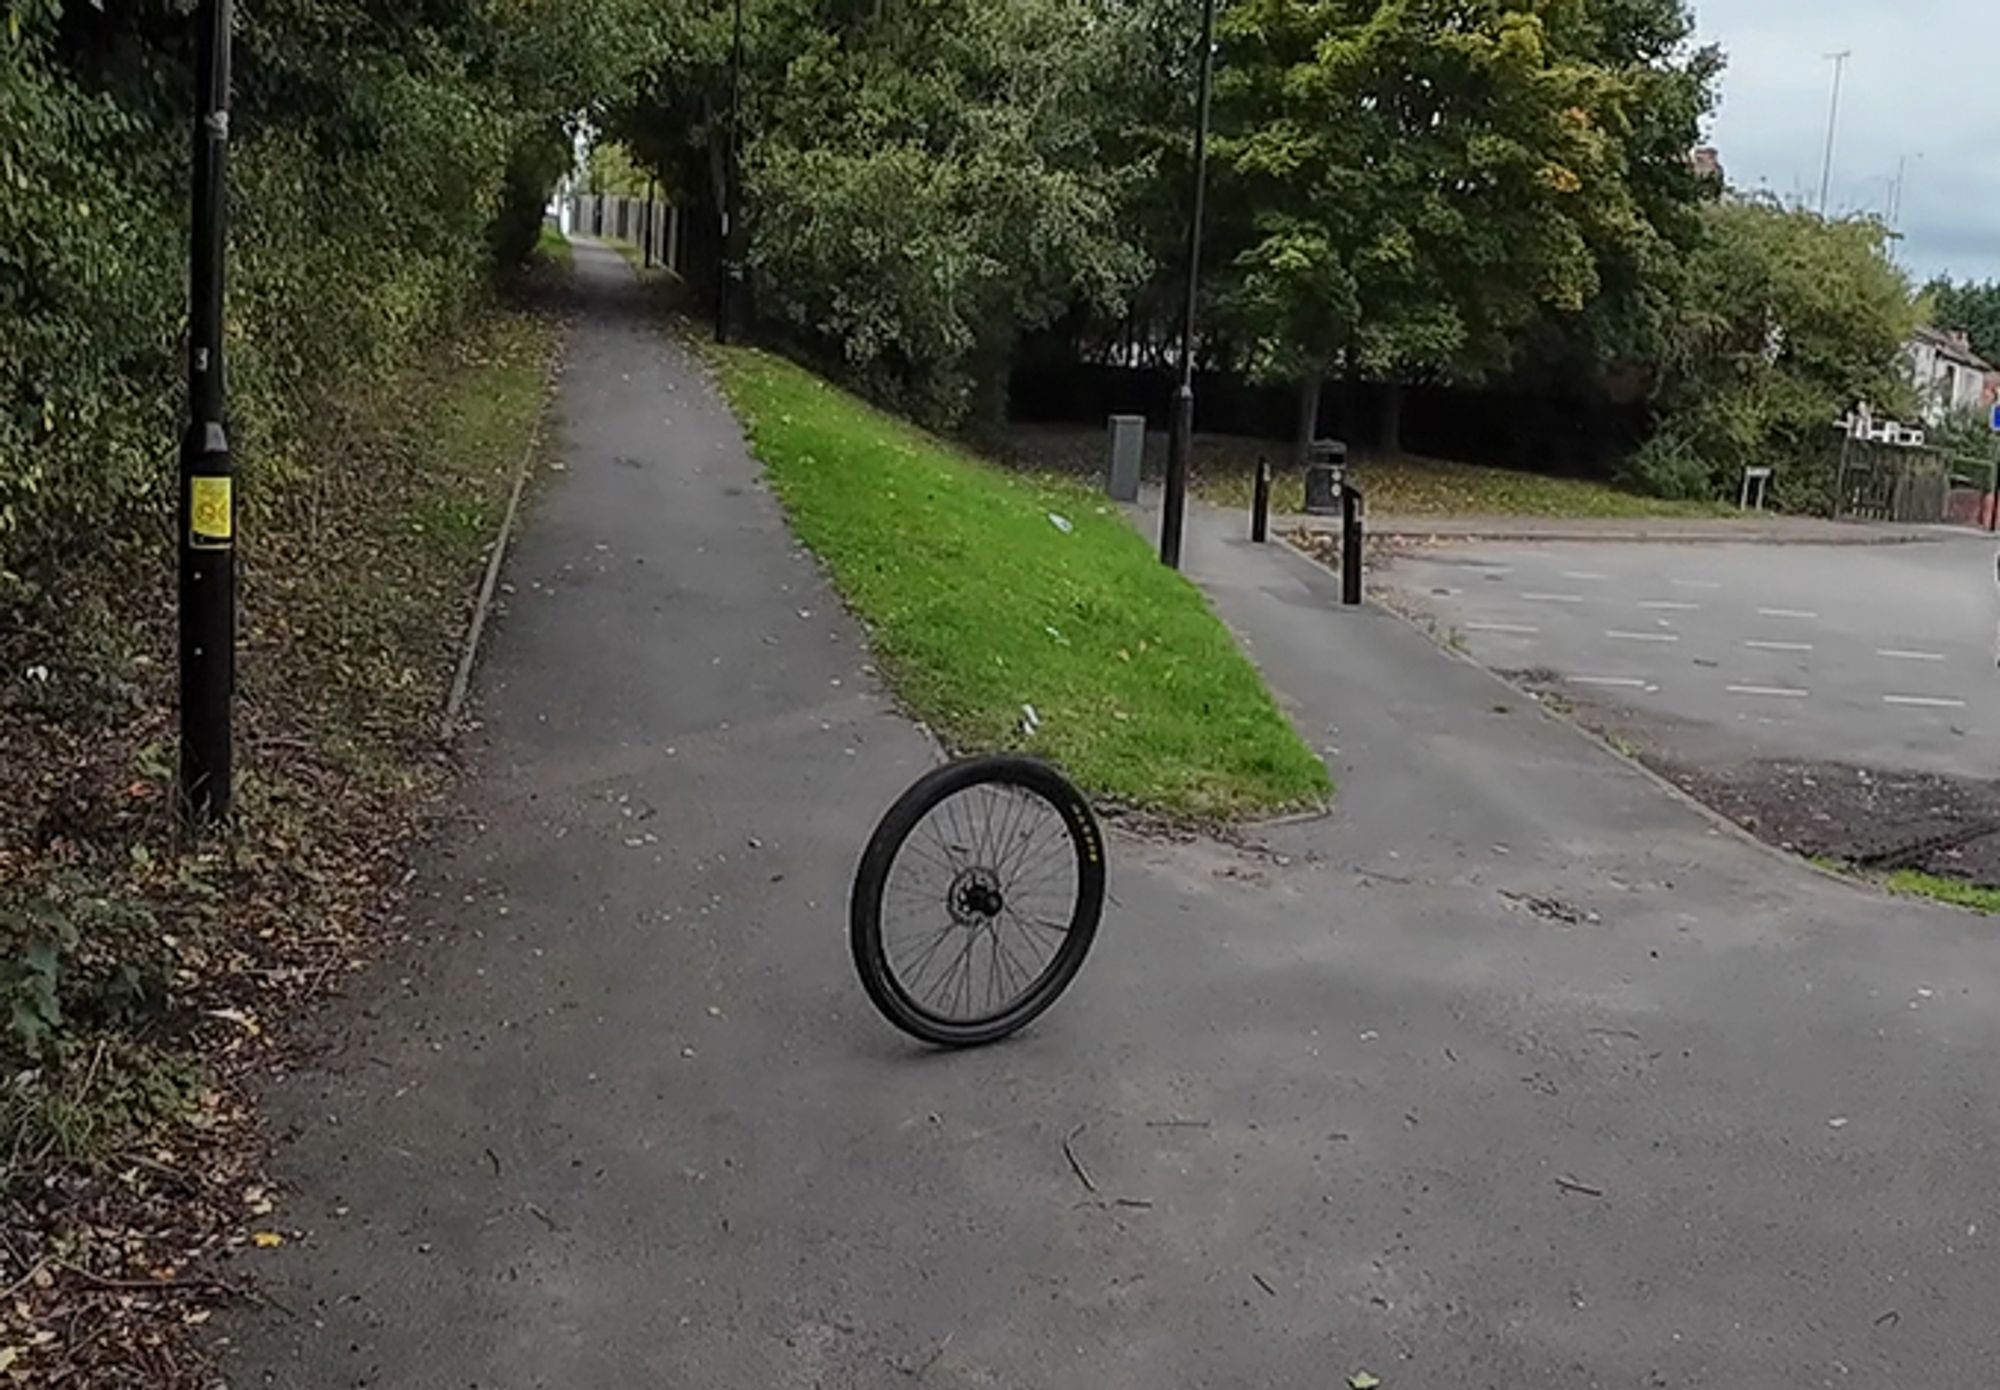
(874, 960)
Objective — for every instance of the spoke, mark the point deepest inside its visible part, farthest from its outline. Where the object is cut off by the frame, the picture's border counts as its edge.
(1026, 922)
(915, 976)
(993, 980)
(1047, 832)
(1026, 827)
(1027, 977)
(961, 825)
(1056, 869)
(986, 843)
(965, 974)
(945, 847)
(925, 856)
(1018, 804)
(942, 986)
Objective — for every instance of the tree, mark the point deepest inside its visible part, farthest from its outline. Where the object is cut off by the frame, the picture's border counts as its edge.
(1969, 308)
(921, 181)
(1422, 181)
(1788, 320)
(399, 150)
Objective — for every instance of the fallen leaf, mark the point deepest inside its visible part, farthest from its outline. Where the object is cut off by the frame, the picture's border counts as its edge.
(267, 1240)
(1361, 1380)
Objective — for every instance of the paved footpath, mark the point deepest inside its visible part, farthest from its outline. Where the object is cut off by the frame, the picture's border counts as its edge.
(1512, 1072)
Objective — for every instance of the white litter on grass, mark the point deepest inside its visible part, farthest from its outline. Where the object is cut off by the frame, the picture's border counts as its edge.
(1030, 721)
(1054, 633)
(1061, 523)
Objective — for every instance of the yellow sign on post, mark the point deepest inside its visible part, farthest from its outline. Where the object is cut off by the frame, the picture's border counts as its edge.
(211, 516)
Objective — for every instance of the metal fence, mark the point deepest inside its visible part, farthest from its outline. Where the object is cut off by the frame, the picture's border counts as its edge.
(656, 227)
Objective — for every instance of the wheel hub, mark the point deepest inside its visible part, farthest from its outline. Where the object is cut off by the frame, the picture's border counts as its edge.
(975, 898)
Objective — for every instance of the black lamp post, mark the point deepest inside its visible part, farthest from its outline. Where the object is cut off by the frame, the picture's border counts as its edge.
(729, 199)
(1180, 437)
(207, 502)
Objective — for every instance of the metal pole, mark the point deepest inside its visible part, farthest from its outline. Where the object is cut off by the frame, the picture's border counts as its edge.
(1180, 437)
(646, 228)
(729, 180)
(1350, 544)
(207, 504)
(1260, 503)
(1832, 116)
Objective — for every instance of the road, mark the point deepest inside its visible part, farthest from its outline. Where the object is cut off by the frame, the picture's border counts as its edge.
(1512, 1072)
(1880, 655)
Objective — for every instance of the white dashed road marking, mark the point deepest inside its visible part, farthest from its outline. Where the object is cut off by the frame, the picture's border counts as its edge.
(1584, 574)
(1642, 636)
(1894, 655)
(1785, 613)
(1783, 692)
(1627, 682)
(1553, 598)
(1924, 701)
(1523, 629)
(1668, 605)
(1780, 646)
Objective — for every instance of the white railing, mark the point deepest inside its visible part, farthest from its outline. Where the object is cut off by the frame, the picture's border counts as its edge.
(655, 226)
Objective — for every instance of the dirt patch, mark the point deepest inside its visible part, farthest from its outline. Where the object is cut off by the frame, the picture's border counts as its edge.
(1873, 818)
(1867, 817)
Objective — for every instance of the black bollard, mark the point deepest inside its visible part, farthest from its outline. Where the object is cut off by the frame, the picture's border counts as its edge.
(1350, 545)
(1260, 503)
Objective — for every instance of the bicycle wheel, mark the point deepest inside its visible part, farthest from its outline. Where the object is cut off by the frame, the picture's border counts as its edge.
(977, 899)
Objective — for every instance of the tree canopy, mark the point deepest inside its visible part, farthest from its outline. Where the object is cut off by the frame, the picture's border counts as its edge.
(1971, 308)
(1787, 321)
(394, 150)
(1403, 191)
(1421, 183)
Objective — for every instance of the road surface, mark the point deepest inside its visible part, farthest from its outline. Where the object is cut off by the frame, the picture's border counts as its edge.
(1880, 655)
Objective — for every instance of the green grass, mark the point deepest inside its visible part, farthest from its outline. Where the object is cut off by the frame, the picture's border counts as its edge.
(1945, 890)
(553, 247)
(1407, 486)
(1224, 467)
(980, 604)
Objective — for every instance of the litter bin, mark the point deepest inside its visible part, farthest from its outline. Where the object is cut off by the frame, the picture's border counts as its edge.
(1128, 447)
(1326, 470)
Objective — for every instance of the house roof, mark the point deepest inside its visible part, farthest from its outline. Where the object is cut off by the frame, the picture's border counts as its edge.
(1952, 344)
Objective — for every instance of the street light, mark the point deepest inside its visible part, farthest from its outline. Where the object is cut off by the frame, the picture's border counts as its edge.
(1839, 61)
(729, 180)
(207, 502)
(1180, 436)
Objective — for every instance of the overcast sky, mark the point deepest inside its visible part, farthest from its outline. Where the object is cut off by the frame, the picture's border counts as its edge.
(1924, 80)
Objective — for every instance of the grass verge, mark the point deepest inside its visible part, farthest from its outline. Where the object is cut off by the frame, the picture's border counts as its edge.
(990, 592)
(1954, 891)
(552, 248)
(141, 978)
(1407, 486)
(1225, 467)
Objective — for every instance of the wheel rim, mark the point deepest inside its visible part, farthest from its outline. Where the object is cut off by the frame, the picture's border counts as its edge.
(979, 902)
